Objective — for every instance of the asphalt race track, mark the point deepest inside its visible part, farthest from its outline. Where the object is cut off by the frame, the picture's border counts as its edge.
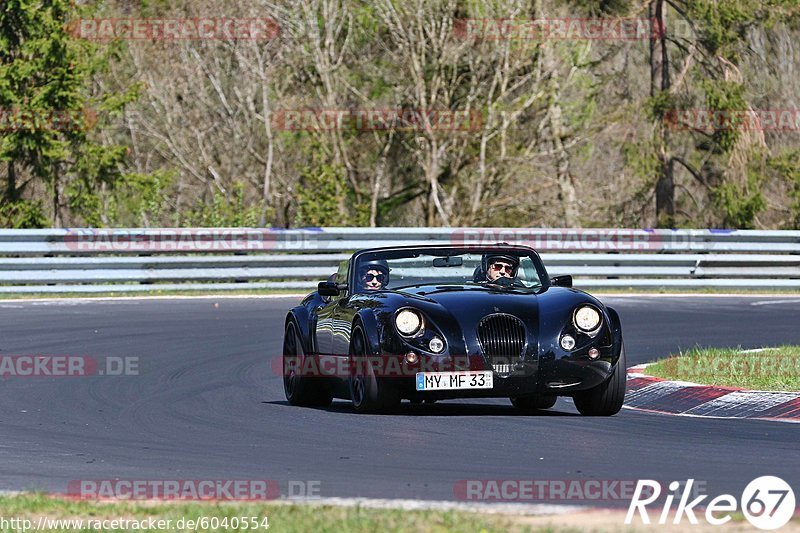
(206, 404)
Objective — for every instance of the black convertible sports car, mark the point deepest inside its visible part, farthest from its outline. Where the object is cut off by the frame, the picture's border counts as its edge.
(427, 323)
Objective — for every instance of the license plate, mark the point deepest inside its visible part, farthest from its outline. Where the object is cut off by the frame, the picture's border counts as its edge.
(454, 380)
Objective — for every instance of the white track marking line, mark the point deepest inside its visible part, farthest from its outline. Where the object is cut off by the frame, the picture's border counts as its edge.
(715, 417)
(743, 403)
(442, 505)
(775, 302)
(739, 403)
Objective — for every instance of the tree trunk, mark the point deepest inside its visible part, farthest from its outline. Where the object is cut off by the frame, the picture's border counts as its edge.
(660, 84)
(58, 218)
(432, 170)
(566, 183)
(665, 195)
(12, 193)
(567, 194)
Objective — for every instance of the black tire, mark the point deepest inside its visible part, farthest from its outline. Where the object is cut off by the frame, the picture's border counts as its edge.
(368, 393)
(529, 404)
(301, 390)
(607, 398)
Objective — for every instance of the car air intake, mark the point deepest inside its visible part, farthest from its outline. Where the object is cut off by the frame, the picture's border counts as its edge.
(502, 339)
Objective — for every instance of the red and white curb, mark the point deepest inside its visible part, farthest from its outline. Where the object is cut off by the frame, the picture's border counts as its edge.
(648, 393)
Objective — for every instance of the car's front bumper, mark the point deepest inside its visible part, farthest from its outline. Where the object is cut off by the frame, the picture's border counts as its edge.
(547, 375)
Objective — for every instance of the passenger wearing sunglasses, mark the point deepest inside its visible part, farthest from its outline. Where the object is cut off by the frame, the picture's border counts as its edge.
(500, 266)
(374, 275)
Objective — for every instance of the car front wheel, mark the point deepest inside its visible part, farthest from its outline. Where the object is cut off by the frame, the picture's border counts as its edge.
(368, 393)
(607, 398)
(301, 390)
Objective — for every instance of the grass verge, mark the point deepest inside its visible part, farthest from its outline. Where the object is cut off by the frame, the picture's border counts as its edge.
(42, 511)
(771, 369)
(211, 516)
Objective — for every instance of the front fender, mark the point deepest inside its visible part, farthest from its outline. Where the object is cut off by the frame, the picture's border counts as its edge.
(301, 317)
(371, 329)
(616, 332)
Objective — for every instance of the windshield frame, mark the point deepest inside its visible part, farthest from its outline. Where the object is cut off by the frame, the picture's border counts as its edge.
(396, 252)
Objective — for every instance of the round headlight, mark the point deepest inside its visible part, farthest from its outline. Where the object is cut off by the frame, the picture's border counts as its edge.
(408, 322)
(587, 318)
(567, 342)
(436, 345)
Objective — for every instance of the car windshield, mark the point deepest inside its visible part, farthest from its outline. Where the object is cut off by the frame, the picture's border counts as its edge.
(395, 269)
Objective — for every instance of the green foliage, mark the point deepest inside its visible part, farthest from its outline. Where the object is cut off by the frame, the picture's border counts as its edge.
(601, 7)
(133, 200)
(155, 8)
(324, 198)
(786, 167)
(233, 211)
(366, 25)
(661, 104)
(47, 73)
(728, 98)
(740, 204)
(319, 199)
(601, 86)
(641, 160)
(139, 199)
(722, 24)
(22, 214)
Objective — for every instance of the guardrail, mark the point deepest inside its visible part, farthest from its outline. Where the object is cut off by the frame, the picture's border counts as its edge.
(129, 260)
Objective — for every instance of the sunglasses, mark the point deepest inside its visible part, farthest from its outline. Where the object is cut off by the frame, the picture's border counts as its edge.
(500, 266)
(370, 277)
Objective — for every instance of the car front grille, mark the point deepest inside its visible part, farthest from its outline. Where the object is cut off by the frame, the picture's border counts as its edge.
(502, 339)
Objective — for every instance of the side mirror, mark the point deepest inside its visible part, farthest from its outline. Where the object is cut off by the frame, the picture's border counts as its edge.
(561, 281)
(328, 288)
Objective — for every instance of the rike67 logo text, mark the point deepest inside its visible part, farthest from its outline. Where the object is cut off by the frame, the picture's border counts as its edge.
(767, 502)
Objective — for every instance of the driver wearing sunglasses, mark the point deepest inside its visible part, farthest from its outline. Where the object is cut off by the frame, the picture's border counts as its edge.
(500, 266)
(374, 275)
(373, 280)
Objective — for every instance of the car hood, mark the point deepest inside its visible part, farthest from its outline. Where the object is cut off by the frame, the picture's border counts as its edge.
(475, 301)
(457, 309)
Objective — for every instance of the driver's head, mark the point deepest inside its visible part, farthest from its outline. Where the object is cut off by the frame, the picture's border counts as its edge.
(500, 266)
(374, 275)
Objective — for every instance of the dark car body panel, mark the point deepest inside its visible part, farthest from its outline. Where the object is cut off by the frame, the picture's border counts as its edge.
(453, 312)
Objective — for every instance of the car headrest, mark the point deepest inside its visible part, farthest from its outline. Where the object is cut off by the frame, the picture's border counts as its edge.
(478, 275)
